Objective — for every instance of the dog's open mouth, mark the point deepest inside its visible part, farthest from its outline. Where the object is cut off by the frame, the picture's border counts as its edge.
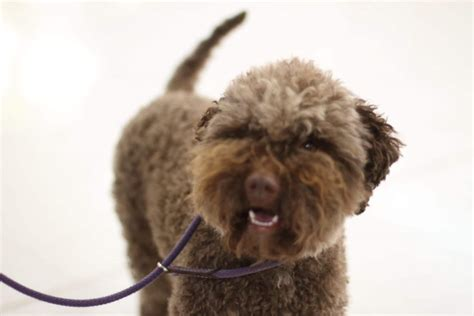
(263, 219)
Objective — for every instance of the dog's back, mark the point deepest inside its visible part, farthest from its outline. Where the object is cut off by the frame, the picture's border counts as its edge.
(150, 170)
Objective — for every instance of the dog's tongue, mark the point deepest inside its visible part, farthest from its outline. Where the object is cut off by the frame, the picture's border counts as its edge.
(262, 217)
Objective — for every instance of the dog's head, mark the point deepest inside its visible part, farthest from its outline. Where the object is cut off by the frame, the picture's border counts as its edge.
(283, 157)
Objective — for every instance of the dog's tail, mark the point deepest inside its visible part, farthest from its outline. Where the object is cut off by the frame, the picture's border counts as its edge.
(187, 72)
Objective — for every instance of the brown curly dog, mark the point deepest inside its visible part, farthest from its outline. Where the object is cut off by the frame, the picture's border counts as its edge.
(274, 168)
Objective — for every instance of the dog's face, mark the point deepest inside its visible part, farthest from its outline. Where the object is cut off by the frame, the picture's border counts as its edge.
(284, 157)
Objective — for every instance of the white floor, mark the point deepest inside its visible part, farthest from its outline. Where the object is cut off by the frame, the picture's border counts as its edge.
(75, 73)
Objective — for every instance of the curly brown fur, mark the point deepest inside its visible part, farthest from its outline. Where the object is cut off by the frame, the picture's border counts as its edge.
(384, 147)
(319, 152)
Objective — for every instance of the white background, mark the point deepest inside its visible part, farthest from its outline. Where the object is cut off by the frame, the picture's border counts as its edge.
(75, 73)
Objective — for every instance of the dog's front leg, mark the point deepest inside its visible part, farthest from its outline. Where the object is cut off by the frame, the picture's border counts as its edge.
(243, 296)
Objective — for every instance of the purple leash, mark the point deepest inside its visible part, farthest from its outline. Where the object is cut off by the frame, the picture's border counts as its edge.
(164, 266)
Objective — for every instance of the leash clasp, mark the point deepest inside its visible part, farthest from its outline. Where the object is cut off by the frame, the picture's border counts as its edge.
(160, 265)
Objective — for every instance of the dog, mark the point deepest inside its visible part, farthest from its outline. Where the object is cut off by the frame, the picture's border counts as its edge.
(274, 167)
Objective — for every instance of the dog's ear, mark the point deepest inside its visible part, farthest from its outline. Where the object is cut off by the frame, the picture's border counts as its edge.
(384, 147)
(204, 121)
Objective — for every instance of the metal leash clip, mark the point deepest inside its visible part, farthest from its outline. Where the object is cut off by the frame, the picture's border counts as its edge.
(165, 269)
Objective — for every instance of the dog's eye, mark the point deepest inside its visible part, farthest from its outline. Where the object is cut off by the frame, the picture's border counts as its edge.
(318, 144)
(314, 143)
(234, 133)
(310, 145)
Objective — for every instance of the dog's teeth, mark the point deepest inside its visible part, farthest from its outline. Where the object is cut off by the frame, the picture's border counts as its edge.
(275, 219)
(252, 214)
(254, 220)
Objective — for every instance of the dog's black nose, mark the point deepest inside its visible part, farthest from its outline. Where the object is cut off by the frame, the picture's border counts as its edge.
(262, 189)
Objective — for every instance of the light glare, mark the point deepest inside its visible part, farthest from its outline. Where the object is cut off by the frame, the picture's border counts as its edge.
(56, 74)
